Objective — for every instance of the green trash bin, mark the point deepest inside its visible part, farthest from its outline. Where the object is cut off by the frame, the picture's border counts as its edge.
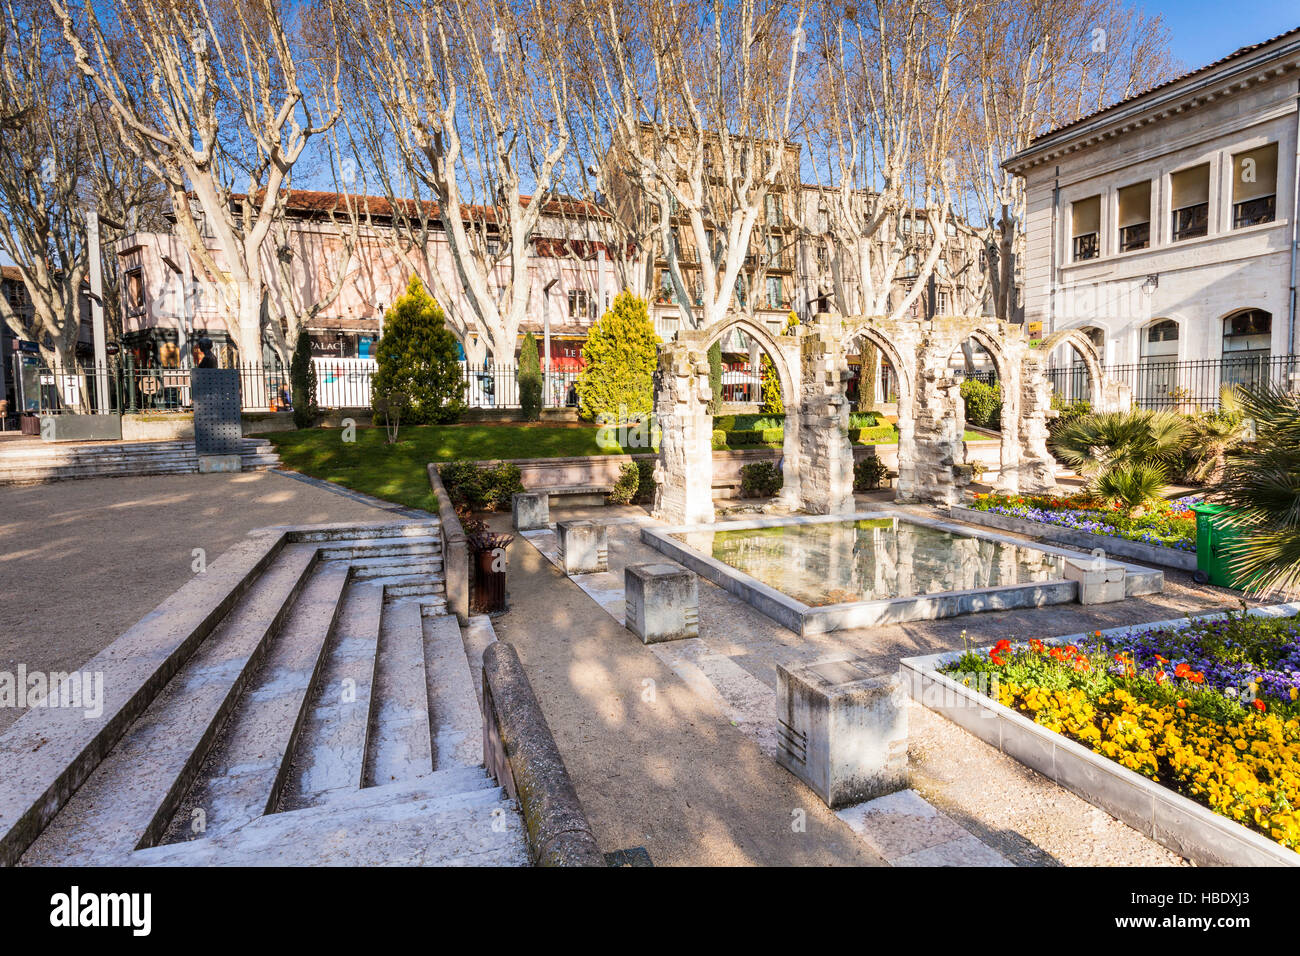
(1212, 540)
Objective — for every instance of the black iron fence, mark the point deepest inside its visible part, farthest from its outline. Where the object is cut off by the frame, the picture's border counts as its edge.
(340, 383)
(1183, 386)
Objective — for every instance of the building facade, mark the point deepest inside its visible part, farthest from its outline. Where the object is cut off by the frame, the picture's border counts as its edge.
(1164, 228)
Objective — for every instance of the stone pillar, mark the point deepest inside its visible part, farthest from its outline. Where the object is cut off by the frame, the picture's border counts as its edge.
(584, 547)
(684, 471)
(1037, 468)
(825, 452)
(531, 510)
(662, 602)
(842, 729)
(939, 453)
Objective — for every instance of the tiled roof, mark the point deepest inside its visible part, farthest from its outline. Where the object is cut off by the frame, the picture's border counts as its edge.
(307, 201)
(1167, 83)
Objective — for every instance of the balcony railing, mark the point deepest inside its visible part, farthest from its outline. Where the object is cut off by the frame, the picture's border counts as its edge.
(1136, 236)
(1191, 222)
(1253, 212)
(1087, 246)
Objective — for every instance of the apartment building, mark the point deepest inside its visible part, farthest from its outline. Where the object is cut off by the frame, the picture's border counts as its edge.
(1164, 227)
(169, 299)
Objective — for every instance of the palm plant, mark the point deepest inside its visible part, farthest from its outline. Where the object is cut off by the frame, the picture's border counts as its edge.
(1135, 484)
(1261, 487)
(1098, 444)
(1212, 436)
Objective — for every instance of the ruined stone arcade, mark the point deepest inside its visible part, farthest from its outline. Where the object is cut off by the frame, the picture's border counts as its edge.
(817, 456)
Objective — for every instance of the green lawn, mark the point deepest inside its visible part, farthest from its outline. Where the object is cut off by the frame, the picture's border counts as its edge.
(397, 472)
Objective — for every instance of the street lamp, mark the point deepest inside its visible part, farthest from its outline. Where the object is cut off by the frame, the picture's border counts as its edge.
(1151, 283)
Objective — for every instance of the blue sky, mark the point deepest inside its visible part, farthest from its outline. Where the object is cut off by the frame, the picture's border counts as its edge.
(1205, 30)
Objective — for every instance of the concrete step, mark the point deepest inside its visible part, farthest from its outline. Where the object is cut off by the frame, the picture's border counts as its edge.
(401, 743)
(453, 696)
(399, 578)
(242, 777)
(431, 605)
(368, 568)
(353, 534)
(330, 756)
(425, 588)
(395, 826)
(134, 791)
(423, 546)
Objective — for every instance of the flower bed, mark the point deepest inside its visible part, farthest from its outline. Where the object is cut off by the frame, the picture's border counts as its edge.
(1208, 709)
(1166, 524)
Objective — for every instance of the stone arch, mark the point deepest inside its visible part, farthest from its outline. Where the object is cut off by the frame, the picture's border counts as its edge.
(780, 353)
(684, 472)
(1103, 397)
(993, 341)
(892, 343)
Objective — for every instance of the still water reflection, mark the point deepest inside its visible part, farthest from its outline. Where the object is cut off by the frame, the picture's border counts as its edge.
(836, 562)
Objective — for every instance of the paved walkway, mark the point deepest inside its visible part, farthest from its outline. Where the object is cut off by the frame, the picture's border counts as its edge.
(653, 765)
(80, 561)
(629, 759)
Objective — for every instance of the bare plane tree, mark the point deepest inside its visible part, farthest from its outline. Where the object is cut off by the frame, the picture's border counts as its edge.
(43, 157)
(1029, 66)
(699, 103)
(222, 119)
(468, 137)
(884, 195)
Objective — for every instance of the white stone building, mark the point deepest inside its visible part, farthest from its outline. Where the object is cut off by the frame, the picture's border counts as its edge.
(1164, 227)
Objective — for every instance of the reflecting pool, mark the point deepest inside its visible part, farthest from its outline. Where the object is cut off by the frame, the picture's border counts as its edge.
(838, 562)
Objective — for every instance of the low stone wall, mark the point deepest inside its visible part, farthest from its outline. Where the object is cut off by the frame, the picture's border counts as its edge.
(520, 752)
(539, 473)
(455, 550)
(168, 426)
(1123, 547)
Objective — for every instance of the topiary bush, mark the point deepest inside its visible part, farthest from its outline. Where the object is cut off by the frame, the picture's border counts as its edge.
(719, 439)
(417, 358)
(480, 489)
(983, 404)
(760, 479)
(646, 480)
(868, 474)
(529, 377)
(628, 485)
(617, 379)
(302, 374)
(715, 378)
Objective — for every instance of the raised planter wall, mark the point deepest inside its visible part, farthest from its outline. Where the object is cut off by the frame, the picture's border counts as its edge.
(1148, 553)
(455, 550)
(1172, 820)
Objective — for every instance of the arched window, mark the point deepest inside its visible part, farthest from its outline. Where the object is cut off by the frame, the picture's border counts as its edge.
(1158, 375)
(1247, 342)
(1159, 332)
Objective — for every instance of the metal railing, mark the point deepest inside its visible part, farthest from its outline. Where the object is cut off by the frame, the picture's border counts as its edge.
(1183, 386)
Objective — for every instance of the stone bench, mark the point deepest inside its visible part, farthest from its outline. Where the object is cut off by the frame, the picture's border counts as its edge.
(531, 510)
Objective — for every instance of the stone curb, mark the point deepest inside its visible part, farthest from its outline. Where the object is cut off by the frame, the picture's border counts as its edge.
(521, 753)
(1152, 554)
(455, 549)
(1172, 820)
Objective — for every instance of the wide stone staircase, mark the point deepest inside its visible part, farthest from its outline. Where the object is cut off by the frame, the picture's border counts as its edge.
(24, 462)
(306, 701)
